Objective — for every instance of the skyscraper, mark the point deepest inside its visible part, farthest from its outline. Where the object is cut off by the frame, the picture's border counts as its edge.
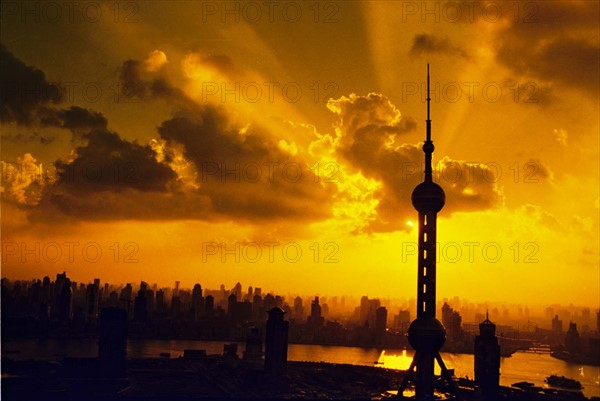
(140, 304)
(276, 342)
(426, 334)
(112, 341)
(487, 361)
(380, 325)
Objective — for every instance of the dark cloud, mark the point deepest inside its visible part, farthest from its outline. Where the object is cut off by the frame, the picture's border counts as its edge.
(23, 90)
(368, 127)
(112, 178)
(130, 79)
(565, 61)
(535, 171)
(29, 138)
(242, 173)
(27, 99)
(431, 44)
(78, 120)
(109, 163)
(558, 46)
(245, 174)
(62, 206)
(134, 85)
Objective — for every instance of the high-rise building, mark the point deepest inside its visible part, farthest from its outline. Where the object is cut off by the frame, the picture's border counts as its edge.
(125, 297)
(315, 319)
(197, 301)
(140, 304)
(231, 302)
(112, 341)
(402, 320)
(298, 308)
(452, 322)
(64, 302)
(426, 334)
(276, 342)
(557, 325)
(92, 298)
(237, 290)
(209, 304)
(160, 302)
(572, 340)
(487, 361)
(380, 325)
(253, 351)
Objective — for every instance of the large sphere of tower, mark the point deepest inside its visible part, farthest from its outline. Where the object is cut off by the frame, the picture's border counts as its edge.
(428, 197)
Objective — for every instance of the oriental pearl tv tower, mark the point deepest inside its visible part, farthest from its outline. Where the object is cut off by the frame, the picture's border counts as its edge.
(426, 334)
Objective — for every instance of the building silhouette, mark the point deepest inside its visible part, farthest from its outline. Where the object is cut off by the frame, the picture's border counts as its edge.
(92, 300)
(298, 308)
(487, 361)
(557, 325)
(64, 302)
(426, 334)
(315, 319)
(380, 325)
(276, 342)
(140, 304)
(452, 322)
(253, 351)
(197, 301)
(112, 342)
(572, 340)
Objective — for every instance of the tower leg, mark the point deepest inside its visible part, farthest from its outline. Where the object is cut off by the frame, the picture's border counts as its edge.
(409, 376)
(423, 379)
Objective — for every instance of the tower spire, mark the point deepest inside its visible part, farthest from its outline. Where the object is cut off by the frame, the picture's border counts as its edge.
(428, 108)
(428, 147)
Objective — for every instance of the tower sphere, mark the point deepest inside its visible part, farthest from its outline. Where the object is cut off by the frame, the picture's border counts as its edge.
(426, 334)
(428, 197)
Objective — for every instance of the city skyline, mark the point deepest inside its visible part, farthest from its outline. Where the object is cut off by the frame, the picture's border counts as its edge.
(340, 308)
(281, 147)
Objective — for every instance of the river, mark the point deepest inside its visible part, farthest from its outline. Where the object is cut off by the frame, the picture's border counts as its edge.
(522, 366)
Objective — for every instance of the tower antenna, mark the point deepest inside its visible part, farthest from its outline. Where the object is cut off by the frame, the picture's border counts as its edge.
(428, 107)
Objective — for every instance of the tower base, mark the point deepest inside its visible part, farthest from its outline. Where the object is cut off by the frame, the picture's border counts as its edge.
(444, 382)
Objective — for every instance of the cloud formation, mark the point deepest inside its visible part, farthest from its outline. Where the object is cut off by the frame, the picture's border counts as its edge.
(425, 43)
(370, 140)
(206, 165)
(24, 90)
(243, 170)
(559, 45)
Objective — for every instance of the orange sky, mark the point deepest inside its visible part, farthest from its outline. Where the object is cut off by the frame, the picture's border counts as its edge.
(217, 142)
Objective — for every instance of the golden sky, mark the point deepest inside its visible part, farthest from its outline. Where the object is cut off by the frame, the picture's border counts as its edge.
(277, 144)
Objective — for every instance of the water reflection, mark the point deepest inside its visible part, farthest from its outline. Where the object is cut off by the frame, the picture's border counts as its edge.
(521, 366)
(395, 361)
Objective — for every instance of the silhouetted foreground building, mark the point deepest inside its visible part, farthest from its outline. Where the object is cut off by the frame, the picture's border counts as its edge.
(253, 351)
(276, 342)
(487, 361)
(112, 342)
